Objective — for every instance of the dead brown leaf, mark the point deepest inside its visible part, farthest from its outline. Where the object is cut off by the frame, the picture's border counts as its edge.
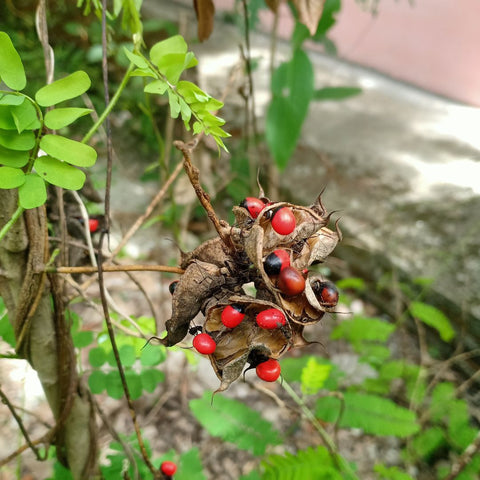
(205, 11)
(310, 12)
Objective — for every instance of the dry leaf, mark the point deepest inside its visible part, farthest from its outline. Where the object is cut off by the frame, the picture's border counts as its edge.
(310, 12)
(205, 11)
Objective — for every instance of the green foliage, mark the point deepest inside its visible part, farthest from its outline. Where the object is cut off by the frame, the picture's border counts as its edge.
(373, 414)
(392, 473)
(434, 318)
(167, 61)
(314, 376)
(6, 329)
(22, 125)
(309, 464)
(234, 422)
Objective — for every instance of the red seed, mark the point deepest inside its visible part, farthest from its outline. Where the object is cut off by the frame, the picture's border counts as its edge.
(326, 293)
(204, 343)
(276, 261)
(93, 224)
(283, 221)
(168, 468)
(268, 371)
(253, 205)
(270, 318)
(232, 315)
(291, 282)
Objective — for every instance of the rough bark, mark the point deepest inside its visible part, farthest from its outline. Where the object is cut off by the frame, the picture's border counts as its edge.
(42, 335)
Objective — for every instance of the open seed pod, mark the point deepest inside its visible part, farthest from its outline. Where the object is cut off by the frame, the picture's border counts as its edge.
(235, 345)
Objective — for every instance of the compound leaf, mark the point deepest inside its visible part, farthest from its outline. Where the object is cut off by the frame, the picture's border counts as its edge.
(190, 466)
(17, 141)
(150, 379)
(373, 414)
(11, 68)
(235, 422)
(97, 381)
(66, 88)
(309, 464)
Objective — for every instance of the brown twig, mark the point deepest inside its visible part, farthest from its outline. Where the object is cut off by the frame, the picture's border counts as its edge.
(116, 268)
(7, 402)
(464, 458)
(193, 175)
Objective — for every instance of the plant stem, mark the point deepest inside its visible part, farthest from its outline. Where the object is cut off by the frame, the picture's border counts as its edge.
(110, 106)
(329, 443)
(16, 215)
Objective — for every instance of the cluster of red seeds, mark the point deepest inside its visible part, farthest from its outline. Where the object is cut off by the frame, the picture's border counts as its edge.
(271, 245)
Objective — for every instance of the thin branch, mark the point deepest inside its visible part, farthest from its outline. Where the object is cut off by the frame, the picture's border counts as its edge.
(19, 421)
(115, 268)
(464, 458)
(193, 175)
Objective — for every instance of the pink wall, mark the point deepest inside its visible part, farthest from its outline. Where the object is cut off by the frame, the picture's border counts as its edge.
(434, 44)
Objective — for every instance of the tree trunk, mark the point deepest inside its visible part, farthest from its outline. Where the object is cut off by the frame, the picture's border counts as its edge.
(42, 335)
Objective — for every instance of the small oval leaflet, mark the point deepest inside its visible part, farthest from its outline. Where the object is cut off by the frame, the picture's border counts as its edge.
(66, 88)
(33, 192)
(61, 117)
(69, 151)
(11, 68)
(59, 173)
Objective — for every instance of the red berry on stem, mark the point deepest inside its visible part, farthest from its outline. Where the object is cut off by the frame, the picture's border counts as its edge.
(253, 205)
(270, 318)
(232, 315)
(291, 282)
(204, 343)
(268, 371)
(283, 221)
(168, 468)
(93, 224)
(276, 261)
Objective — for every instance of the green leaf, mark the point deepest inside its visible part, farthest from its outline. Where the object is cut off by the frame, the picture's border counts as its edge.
(6, 329)
(190, 466)
(66, 88)
(13, 158)
(82, 339)
(172, 45)
(134, 383)
(427, 442)
(336, 93)
(150, 379)
(12, 99)
(127, 355)
(309, 464)
(253, 475)
(59, 173)
(33, 192)
(11, 68)
(97, 381)
(113, 384)
(234, 422)
(327, 20)
(17, 141)
(314, 376)
(363, 329)
(434, 318)
(158, 87)
(391, 473)
(136, 59)
(174, 104)
(25, 117)
(351, 283)
(152, 355)
(97, 357)
(11, 177)
(6, 119)
(374, 415)
(281, 130)
(68, 150)
(61, 117)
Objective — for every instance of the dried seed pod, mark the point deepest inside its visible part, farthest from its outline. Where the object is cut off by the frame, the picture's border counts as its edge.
(197, 284)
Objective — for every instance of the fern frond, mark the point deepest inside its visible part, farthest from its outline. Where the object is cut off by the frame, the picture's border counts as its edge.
(309, 464)
(372, 414)
(234, 422)
(314, 376)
